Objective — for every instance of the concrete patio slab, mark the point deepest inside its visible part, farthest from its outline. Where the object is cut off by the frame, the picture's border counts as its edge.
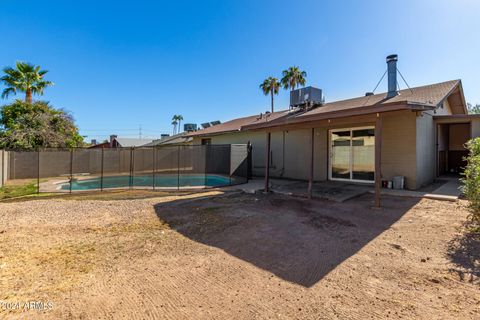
(343, 191)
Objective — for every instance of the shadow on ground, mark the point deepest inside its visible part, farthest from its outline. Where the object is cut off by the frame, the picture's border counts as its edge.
(464, 252)
(298, 240)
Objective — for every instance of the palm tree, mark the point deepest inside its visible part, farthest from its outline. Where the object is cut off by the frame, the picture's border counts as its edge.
(26, 78)
(179, 119)
(174, 124)
(270, 86)
(293, 77)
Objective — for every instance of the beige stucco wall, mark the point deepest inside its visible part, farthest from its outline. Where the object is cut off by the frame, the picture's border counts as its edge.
(426, 139)
(475, 128)
(426, 157)
(398, 147)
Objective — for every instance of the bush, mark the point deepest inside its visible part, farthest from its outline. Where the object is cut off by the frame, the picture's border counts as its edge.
(28, 126)
(471, 180)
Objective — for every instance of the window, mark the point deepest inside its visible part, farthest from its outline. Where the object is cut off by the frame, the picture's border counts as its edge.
(206, 142)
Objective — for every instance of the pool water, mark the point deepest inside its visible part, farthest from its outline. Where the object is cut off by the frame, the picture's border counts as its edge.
(147, 181)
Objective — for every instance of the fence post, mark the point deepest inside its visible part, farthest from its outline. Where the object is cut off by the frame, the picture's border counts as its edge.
(132, 164)
(154, 165)
(38, 171)
(101, 169)
(3, 169)
(71, 169)
(178, 167)
(206, 147)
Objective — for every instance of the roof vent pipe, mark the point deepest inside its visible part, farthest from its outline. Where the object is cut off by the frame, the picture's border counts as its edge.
(392, 75)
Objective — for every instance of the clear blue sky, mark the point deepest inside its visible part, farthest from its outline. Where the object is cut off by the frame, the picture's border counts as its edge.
(119, 64)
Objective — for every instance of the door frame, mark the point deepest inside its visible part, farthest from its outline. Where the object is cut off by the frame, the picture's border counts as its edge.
(330, 155)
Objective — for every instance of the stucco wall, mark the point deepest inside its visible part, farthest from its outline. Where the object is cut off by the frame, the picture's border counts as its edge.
(426, 158)
(475, 128)
(398, 147)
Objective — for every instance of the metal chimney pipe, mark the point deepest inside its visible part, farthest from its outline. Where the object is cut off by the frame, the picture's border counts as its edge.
(392, 75)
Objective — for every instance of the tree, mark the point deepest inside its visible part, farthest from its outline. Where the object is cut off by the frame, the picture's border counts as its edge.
(293, 77)
(176, 121)
(24, 78)
(179, 119)
(28, 126)
(174, 124)
(270, 86)
(473, 109)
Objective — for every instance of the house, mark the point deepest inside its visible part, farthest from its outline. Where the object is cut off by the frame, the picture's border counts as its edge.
(116, 142)
(175, 140)
(417, 133)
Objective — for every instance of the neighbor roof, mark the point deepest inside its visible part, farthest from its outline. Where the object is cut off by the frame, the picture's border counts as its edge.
(418, 98)
(237, 124)
(175, 139)
(132, 142)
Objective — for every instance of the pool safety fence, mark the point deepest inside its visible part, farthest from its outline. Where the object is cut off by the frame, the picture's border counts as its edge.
(154, 168)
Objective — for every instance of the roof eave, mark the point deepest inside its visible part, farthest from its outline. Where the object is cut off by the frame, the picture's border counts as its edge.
(413, 106)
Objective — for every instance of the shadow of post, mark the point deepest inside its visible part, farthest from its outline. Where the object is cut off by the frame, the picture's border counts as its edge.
(298, 240)
(464, 252)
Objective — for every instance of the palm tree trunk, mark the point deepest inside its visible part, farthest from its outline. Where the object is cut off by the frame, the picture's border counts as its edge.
(28, 95)
(271, 94)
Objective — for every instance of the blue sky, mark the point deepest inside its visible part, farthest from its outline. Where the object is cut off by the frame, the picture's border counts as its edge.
(118, 65)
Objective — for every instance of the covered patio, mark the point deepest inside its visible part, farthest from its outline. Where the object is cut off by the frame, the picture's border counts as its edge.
(332, 184)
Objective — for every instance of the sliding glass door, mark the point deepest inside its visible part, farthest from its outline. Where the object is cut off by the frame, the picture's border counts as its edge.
(352, 154)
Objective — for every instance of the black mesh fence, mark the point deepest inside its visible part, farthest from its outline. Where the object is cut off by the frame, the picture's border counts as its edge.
(153, 168)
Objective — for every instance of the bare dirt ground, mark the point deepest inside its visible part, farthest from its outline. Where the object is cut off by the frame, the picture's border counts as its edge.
(238, 256)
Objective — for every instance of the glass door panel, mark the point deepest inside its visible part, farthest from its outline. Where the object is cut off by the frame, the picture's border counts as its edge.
(363, 154)
(340, 164)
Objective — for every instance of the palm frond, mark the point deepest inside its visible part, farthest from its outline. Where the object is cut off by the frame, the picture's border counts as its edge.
(6, 92)
(24, 77)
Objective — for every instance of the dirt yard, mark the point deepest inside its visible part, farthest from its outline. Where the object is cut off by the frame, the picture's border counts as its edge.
(237, 256)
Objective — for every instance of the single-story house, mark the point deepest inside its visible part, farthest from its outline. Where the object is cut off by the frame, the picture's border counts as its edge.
(175, 140)
(119, 142)
(417, 133)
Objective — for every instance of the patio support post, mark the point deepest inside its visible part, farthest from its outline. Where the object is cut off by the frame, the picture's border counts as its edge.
(267, 162)
(378, 159)
(312, 149)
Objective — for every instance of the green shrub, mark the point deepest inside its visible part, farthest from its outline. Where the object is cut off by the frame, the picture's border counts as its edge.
(471, 180)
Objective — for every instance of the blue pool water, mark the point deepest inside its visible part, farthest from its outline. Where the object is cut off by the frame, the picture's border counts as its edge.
(147, 181)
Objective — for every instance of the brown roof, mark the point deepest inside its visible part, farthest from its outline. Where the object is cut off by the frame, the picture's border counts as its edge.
(419, 98)
(237, 124)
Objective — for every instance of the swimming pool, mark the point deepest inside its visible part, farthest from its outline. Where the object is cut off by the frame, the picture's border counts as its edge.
(164, 181)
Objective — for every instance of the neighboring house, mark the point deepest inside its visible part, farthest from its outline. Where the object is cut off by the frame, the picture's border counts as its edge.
(116, 142)
(417, 133)
(177, 139)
